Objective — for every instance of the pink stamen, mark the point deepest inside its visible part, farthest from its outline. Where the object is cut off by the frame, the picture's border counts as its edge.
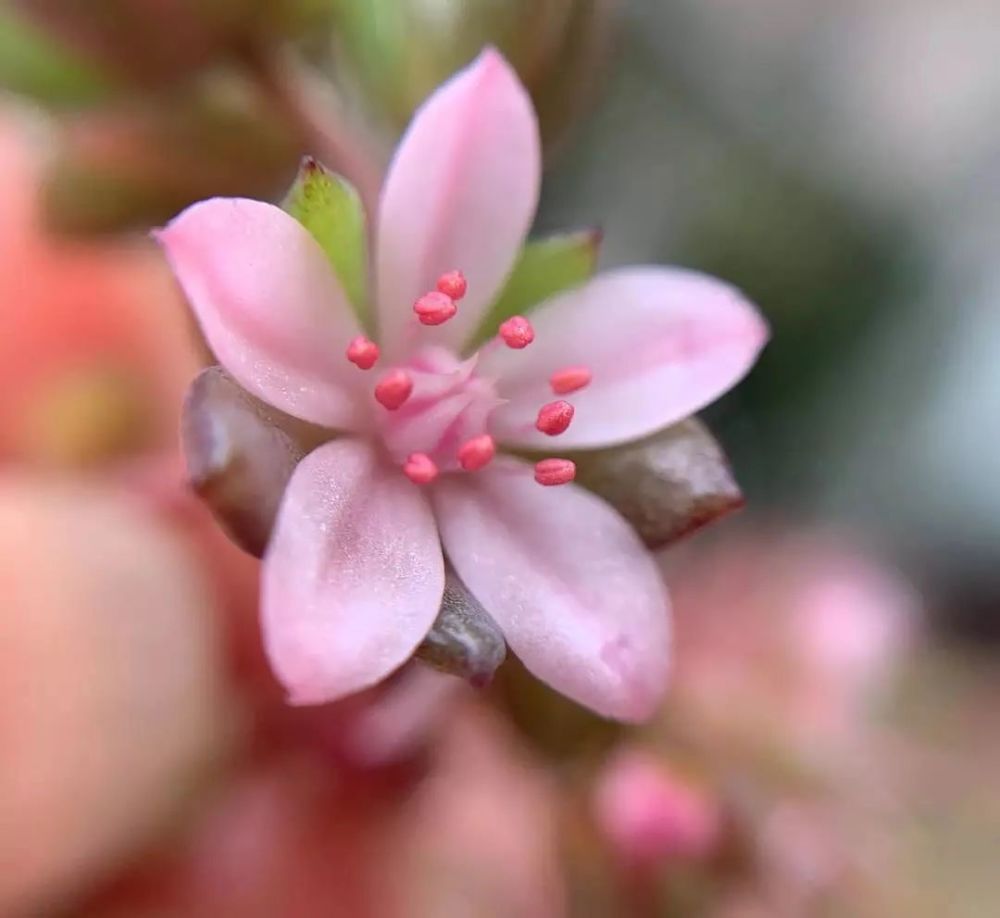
(393, 389)
(420, 468)
(452, 284)
(362, 352)
(517, 332)
(554, 418)
(569, 380)
(476, 453)
(551, 472)
(435, 308)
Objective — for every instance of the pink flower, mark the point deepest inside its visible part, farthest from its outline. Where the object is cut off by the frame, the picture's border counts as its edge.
(354, 572)
(649, 814)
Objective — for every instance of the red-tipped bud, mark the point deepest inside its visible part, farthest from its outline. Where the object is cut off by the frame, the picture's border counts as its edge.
(452, 284)
(362, 352)
(393, 389)
(554, 418)
(476, 453)
(517, 332)
(435, 308)
(551, 472)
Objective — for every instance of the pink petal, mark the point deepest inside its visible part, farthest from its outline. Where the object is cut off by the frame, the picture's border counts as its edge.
(353, 576)
(269, 305)
(460, 194)
(578, 598)
(661, 343)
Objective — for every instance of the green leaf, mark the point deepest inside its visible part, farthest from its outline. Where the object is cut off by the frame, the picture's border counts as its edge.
(34, 64)
(545, 267)
(329, 207)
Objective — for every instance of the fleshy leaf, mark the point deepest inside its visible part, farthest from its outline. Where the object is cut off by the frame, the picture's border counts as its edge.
(240, 455)
(329, 207)
(544, 268)
(33, 63)
(464, 640)
(667, 485)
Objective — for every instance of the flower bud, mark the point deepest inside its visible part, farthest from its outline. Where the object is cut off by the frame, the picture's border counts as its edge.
(650, 815)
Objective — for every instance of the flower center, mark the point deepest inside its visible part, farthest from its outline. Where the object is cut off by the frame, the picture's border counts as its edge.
(444, 416)
(436, 409)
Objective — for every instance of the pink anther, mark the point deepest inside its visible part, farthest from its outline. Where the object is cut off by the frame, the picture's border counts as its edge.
(554, 418)
(476, 453)
(452, 284)
(420, 468)
(569, 380)
(393, 389)
(517, 332)
(435, 308)
(550, 472)
(362, 352)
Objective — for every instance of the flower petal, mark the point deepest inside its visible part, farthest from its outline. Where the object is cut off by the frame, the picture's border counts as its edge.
(661, 343)
(353, 576)
(576, 595)
(460, 194)
(269, 305)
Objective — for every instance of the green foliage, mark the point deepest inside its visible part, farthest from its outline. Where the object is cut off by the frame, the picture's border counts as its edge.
(36, 65)
(545, 267)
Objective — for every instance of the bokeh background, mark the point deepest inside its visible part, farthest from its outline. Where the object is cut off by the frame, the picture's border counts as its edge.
(831, 742)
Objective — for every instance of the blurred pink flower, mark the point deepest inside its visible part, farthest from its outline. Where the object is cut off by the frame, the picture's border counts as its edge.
(96, 350)
(651, 815)
(354, 573)
(475, 836)
(96, 354)
(785, 639)
(112, 702)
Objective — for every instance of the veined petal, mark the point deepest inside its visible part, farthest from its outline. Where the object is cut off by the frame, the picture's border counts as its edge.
(269, 305)
(353, 576)
(661, 343)
(576, 595)
(460, 194)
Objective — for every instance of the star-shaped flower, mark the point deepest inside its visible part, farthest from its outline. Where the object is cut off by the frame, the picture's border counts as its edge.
(418, 462)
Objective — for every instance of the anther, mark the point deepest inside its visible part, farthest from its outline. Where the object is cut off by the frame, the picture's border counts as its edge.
(550, 472)
(452, 284)
(362, 352)
(476, 453)
(435, 308)
(393, 389)
(517, 332)
(554, 418)
(569, 380)
(420, 468)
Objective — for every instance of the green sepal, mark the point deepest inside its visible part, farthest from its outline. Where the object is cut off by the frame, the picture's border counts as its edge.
(545, 267)
(329, 207)
(34, 64)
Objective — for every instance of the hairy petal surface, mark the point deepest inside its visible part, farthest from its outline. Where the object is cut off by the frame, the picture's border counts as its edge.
(353, 575)
(268, 304)
(460, 194)
(576, 595)
(661, 344)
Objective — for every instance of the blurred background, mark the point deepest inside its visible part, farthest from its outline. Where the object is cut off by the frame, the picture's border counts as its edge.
(831, 742)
